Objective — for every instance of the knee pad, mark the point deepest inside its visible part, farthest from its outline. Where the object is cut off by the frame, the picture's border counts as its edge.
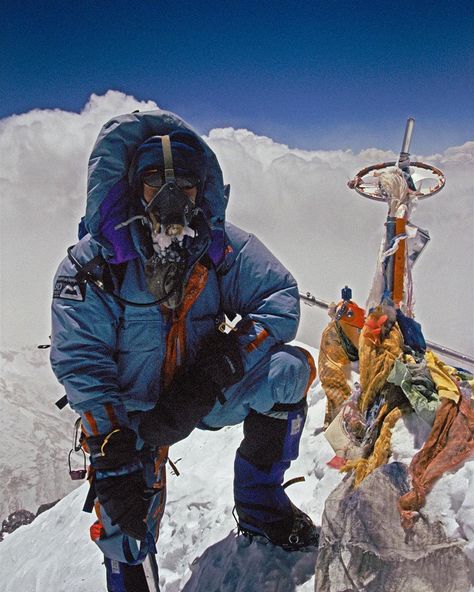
(269, 439)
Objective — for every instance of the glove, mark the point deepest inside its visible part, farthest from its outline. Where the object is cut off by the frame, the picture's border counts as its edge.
(193, 392)
(219, 360)
(126, 500)
(119, 483)
(180, 408)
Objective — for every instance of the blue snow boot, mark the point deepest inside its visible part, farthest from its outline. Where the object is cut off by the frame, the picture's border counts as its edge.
(262, 506)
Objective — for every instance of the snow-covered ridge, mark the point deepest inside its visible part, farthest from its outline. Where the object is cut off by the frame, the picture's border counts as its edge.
(198, 550)
(35, 436)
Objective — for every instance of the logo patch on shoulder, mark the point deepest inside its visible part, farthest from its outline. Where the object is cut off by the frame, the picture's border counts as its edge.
(69, 288)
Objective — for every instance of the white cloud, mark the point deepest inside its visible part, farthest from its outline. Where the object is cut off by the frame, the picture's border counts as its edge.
(43, 175)
(295, 200)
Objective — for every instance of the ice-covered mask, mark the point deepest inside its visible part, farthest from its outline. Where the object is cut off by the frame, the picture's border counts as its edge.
(169, 213)
(171, 209)
(165, 174)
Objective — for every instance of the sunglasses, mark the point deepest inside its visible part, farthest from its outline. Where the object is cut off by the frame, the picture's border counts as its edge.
(156, 180)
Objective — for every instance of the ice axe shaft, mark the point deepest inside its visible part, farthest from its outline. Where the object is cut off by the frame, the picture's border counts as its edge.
(311, 300)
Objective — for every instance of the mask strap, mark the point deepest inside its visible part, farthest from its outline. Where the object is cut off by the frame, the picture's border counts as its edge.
(168, 158)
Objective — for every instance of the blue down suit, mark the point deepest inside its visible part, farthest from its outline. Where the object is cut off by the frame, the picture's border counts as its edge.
(112, 357)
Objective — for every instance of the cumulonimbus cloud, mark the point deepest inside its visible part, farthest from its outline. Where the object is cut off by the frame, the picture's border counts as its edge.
(295, 200)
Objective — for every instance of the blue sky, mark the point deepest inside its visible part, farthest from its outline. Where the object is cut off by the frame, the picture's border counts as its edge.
(319, 75)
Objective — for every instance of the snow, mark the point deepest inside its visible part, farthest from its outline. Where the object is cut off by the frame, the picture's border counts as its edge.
(198, 547)
(44, 173)
(35, 436)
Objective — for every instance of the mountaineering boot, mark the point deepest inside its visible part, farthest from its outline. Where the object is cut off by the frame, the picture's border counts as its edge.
(122, 577)
(264, 510)
(262, 506)
(295, 532)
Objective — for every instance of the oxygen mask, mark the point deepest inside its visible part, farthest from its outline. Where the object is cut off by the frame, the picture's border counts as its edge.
(169, 213)
(167, 172)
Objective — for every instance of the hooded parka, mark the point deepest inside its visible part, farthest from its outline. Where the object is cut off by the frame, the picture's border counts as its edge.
(114, 359)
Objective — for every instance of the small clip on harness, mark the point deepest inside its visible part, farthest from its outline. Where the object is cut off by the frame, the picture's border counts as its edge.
(77, 474)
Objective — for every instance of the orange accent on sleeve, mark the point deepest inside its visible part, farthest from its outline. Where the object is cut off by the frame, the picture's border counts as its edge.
(97, 529)
(312, 368)
(91, 421)
(160, 487)
(112, 415)
(83, 442)
(97, 507)
(257, 341)
(161, 458)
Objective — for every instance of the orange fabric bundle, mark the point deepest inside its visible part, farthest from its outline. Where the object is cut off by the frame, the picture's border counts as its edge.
(450, 442)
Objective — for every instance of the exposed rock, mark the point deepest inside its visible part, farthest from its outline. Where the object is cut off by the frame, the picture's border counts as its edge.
(363, 547)
(15, 520)
(22, 517)
(45, 507)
